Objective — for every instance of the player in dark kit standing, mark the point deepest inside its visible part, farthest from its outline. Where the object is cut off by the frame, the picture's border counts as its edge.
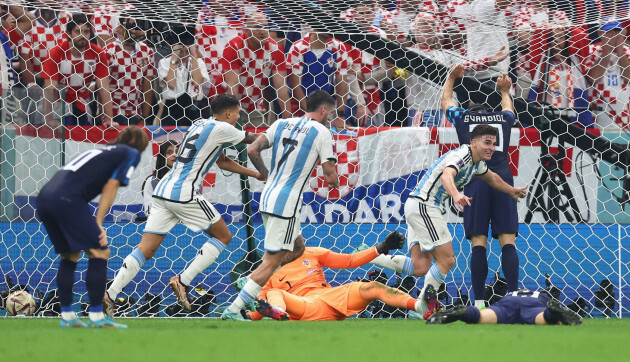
(63, 207)
(490, 207)
(519, 307)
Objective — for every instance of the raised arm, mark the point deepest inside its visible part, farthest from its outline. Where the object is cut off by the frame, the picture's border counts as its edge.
(496, 182)
(253, 151)
(447, 96)
(504, 84)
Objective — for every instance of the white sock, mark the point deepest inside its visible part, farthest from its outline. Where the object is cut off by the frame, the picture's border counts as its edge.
(479, 304)
(130, 268)
(418, 306)
(68, 316)
(96, 316)
(397, 263)
(249, 292)
(434, 277)
(208, 253)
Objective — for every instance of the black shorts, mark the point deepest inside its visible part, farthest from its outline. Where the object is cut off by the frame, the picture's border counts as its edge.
(489, 207)
(69, 222)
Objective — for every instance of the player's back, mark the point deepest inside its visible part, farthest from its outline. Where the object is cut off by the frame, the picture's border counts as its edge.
(201, 147)
(85, 176)
(297, 146)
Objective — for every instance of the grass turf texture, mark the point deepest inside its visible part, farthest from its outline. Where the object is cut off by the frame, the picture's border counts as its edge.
(31, 339)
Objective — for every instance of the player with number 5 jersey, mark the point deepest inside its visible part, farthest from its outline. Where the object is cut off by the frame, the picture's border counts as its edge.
(297, 145)
(177, 198)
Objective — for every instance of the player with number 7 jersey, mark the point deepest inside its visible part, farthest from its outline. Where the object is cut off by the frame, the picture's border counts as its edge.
(177, 198)
(297, 145)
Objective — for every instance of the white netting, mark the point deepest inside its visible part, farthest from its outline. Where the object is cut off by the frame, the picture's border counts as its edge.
(162, 62)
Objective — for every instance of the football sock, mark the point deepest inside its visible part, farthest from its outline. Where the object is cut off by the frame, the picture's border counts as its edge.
(478, 271)
(509, 262)
(434, 277)
(247, 295)
(397, 263)
(96, 314)
(480, 303)
(208, 253)
(130, 268)
(549, 318)
(95, 280)
(65, 282)
(472, 315)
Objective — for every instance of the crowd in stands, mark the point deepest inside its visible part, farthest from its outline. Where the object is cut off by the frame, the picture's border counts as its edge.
(92, 64)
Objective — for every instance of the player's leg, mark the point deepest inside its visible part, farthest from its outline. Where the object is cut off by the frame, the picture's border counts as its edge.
(479, 268)
(371, 291)
(467, 314)
(280, 303)
(416, 234)
(509, 260)
(65, 284)
(505, 228)
(95, 280)
(444, 260)
(280, 236)
(476, 226)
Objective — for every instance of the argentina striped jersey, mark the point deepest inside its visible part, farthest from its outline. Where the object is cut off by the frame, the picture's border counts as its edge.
(430, 190)
(199, 150)
(297, 145)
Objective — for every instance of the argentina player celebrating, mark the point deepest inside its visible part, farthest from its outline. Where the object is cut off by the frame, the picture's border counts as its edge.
(297, 145)
(428, 237)
(177, 198)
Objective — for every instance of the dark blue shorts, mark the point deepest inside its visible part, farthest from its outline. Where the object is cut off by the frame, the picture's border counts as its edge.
(489, 207)
(518, 310)
(69, 222)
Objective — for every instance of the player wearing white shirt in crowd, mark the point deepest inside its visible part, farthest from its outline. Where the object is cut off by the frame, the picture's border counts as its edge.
(428, 236)
(177, 198)
(298, 144)
(487, 34)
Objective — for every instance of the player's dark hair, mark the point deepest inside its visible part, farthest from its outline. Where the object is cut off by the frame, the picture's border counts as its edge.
(77, 19)
(484, 130)
(161, 168)
(478, 108)
(133, 137)
(318, 99)
(222, 102)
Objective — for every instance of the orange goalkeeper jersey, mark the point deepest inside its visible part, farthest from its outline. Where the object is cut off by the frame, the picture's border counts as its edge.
(306, 274)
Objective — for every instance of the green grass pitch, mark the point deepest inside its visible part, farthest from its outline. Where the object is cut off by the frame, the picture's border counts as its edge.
(30, 339)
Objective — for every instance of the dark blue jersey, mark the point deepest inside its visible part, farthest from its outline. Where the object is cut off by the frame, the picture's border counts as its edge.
(85, 176)
(465, 121)
(542, 295)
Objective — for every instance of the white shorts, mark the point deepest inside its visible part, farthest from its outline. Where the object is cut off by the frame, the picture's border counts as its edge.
(197, 215)
(425, 225)
(280, 234)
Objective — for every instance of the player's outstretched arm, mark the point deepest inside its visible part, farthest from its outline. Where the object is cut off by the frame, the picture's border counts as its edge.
(107, 199)
(228, 164)
(496, 182)
(253, 152)
(448, 181)
(447, 96)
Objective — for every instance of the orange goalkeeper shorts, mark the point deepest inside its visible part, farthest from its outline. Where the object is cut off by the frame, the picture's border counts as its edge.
(334, 304)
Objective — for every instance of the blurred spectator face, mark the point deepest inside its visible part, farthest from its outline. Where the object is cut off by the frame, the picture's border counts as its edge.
(180, 50)
(80, 35)
(558, 41)
(170, 156)
(257, 25)
(47, 14)
(424, 29)
(323, 37)
(364, 15)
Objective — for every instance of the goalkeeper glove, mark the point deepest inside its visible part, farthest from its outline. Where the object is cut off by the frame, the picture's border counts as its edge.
(395, 240)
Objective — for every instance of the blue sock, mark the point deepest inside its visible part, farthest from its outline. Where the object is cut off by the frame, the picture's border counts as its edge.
(95, 279)
(479, 271)
(408, 267)
(65, 282)
(472, 315)
(509, 262)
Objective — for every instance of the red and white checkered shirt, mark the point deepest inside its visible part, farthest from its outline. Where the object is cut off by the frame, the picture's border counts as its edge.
(295, 57)
(107, 18)
(254, 68)
(610, 92)
(42, 38)
(127, 69)
(75, 72)
(456, 15)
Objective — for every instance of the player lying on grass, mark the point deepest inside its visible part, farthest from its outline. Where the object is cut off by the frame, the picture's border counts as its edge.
(299, 289)
(519, 307)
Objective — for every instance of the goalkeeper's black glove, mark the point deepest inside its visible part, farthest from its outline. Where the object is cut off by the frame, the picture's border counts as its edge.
(395, 240)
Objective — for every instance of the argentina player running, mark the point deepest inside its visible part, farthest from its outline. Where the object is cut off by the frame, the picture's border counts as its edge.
(490, 206)
(298, 144)
(177, 198)
(63, 207)
(428, 236)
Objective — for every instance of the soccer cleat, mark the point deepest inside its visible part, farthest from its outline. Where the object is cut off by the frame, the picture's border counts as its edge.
(229, 316)
(268, 310)
(107, 322)
(181, 292)
(359, 248)
(412, 314)
(72, 323)
(108, 305)
(563, 314)
(447, 316)
(431, 301)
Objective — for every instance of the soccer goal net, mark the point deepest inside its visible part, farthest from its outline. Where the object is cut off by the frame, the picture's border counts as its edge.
(158, 64)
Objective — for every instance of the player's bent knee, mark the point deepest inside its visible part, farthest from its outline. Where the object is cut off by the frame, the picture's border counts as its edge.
(99, 253)
(73, 257)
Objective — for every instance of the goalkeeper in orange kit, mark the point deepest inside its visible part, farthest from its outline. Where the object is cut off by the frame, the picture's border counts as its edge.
(299, 290)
